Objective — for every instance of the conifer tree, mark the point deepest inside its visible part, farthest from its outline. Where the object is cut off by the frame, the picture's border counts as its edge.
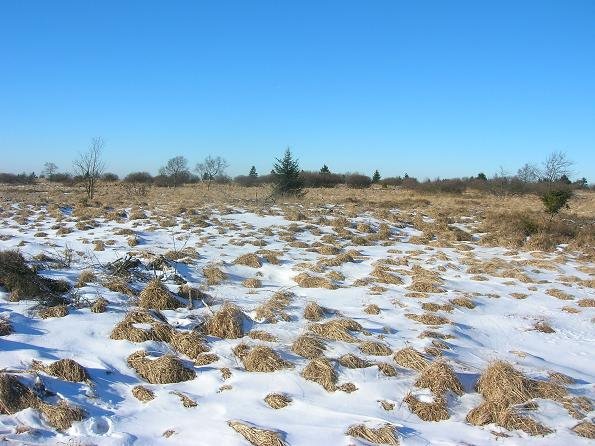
(286, 175)
(325, 169)
(376, 176)
(253, 173)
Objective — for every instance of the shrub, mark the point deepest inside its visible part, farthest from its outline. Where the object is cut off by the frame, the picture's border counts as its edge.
(138, 177)
(110, 177)
(286, 176)
(556, 199)
(319, 179)
(357, 180)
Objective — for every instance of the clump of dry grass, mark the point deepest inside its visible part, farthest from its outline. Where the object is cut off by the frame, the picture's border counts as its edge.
(306, 280)
(313, 312)
(163, 370)
(252, 282)
(463, 302)
(347, 387)
(383, 275)
(65, 369)
(206, 358)
(375, 348)
(543, 327)
(62, 415)
(410, 358)
(5, 326)
(586, 303)
(277, 400)
(387, 369)
(372, 309)
(86, 276)
(308, 346)
(99, 306)
(214, 275)
(118, 285)
(142, 393)
(273, 309)
(227, 323)
(127, 329)
(257, 436)
(260, 359)
(186, 400)
(434, 411)
(378, 435)
(156, 296)
(337, 329)
(428, 318)
(55, 311)
(585, 429)
(559, 294)
(560, 378)
(353, 362)
(321, 371)
(189, 343)
(250, 260)
(338, 260)
(504, 415)
(440, 377)
(14, 395)
(262, 335)
(501, 382)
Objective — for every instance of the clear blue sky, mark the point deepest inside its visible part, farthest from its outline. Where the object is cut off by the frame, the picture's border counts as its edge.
(432, 88)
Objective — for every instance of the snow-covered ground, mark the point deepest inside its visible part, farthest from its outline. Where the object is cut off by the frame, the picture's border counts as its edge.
(500, 326)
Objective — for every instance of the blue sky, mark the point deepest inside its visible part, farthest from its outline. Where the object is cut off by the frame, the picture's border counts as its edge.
(432, 88)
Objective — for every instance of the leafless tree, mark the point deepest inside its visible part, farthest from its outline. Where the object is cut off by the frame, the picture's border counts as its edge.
(555, 166)
(211, 168)
(176, 170)
(49, 169)
(529, 173)
(89, 165)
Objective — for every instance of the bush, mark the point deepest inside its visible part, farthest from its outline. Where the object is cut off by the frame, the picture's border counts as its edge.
(318, 179)
(22, 178)
(64, 178)
(556, 199)
(138, 177)
(110, 177)
(357, 180)
(391, 181)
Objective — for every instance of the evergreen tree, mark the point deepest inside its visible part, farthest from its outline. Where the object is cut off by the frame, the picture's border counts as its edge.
(376, 176)
(253, 173)
(286, 176)
(325, 169)
(482, 176)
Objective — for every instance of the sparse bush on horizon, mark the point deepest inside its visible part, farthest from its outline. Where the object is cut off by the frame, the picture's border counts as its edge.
(357, 180)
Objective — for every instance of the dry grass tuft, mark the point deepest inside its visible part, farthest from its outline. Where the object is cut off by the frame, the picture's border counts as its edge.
(543, 327)
(186, 400)
(252, 282)
(586, 303)
(142, 393)
(434, 411)
(190, 344)
(250, 260)
(372, 309)
(65, 369)
(163, 370)
(262, 335)
(206, 358)
(387, 369)
(428, 318)
(118, 285)
(213, 275)
(382, 275)
(157, 297)
(131, 327)
(257, 436)
(337, 329)
(260, 359)
(277, 400)
(501, 382)
(273, 309)
(463, 302)
(62, 415)
(5, 326)
(306, 280)
(378, 435)
(227, 323)
(313, 312)
(86, 276)
(439, 377)
(308, 346)
(585, 429)
(375, 348)
(410, 358)
(14, 395)
(99, 306)
(321, 371)
(55, 311)
(353, 362)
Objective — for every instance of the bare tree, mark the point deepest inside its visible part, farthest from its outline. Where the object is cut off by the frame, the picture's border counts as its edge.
(90, 166)
(529, 173)
(176, 170)
(211, 168)
(555, 166)
(49, 169)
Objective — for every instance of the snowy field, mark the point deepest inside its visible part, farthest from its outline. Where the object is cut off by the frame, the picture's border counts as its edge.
(371, 285)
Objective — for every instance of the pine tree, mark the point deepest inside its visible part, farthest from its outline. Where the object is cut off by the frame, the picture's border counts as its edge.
(325, 169)
(286, 175)
(253, 173)
(376, 176)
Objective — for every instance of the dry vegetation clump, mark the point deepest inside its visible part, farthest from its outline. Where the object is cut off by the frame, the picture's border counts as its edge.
(353, 362)
(257, 436)
(543, 327)
(587, 303)
(262, 335)
(425, 281)
(163, 370)
(372, 309)
(277, 400)
(55, 311)
(214, 275)
(306, 280)
(62, 415)
(99, 306)
(501, 382)
(439, 377)
(559, 294)
(337, 260)
(375, 348)
(308, 346)
(206, 358)
(5, 326)
(383, 275)
(14, 395)
(189, 343)
(260, 359)
(328, 250)
(428, 318)
(321, 371)
(313, 312)
(250, 260)
(143, 393)
(157, 297)
(129, 329)
(337, 329)
(65, 369)
(273, 309)
(387, 369)
(432, 306)
(411, 359)
(252, 282)
(118, 285)
(227, 323)
(86, 276)
(585, 429)
(186, 400)
(378, 435)
(463, 302)
(434, 411)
